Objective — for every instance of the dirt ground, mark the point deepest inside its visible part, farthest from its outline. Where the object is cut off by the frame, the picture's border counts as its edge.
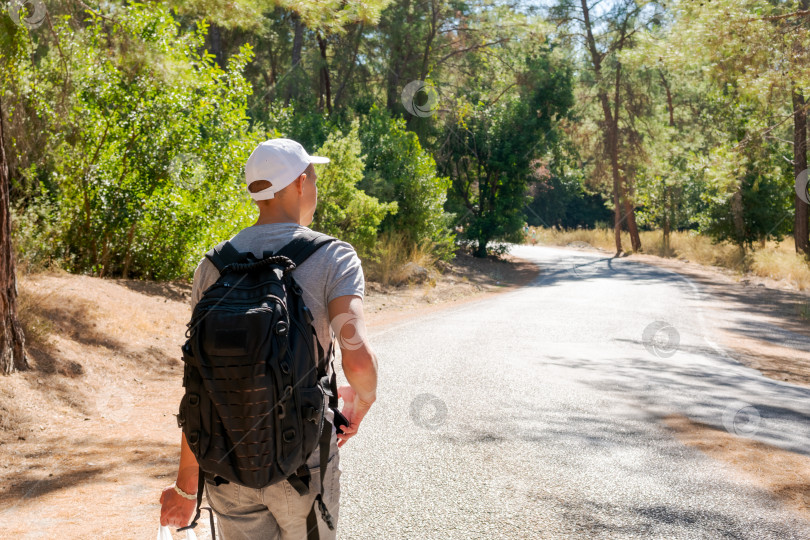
(88, 437)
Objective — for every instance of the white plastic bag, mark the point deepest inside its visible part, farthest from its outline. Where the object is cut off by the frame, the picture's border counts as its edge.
(165, 534)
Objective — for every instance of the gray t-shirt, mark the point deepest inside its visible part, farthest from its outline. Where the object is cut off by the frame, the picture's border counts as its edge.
(334, 270)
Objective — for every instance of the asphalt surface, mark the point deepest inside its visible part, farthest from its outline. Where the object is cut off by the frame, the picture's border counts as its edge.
(535, 414)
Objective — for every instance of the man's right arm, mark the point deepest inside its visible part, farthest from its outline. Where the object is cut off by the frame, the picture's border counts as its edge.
(358, 360)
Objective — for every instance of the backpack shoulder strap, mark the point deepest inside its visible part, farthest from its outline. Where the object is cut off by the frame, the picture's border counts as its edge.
(301, 247)
(223, 254)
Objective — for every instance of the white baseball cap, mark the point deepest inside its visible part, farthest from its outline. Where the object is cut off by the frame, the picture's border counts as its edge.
(279, 161)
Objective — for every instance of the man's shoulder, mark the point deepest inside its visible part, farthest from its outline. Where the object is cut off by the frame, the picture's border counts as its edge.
(332, 249)
(335, 251)
(205, 274)
(205, 266)
(338, 251)
(335, 244)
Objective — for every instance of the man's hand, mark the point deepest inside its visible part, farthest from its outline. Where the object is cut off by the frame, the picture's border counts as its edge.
(176, 511)
(354, 409)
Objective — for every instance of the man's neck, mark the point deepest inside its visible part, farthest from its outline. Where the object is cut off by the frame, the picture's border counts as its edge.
(265, 218)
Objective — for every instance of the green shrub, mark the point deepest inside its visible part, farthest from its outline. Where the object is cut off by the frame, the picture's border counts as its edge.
(144, 147)
(399, 169)
(343, 210)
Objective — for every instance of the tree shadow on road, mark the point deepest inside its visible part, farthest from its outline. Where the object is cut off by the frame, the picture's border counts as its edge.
(779, 416)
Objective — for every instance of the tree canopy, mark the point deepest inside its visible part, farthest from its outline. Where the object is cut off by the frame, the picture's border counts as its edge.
(127, 124)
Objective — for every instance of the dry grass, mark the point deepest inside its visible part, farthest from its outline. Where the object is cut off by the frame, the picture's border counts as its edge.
(37, 328)
(392, 252)
(599, 238)
(772, 260)
(782, 264)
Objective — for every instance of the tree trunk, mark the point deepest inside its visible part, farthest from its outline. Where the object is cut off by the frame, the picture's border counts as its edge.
(392, 90)
(800, 220)
(630, 215)
(481, 248)
(325, 73)
(666, 237)
(617, 216)
(737, 215)
(128, 251)
(435, 13)
(670, 108)
(613, 132)
(298, 45)
(398, 60)
(215, 39)
(611, 125)
(12, 340)
(347, 77)
(666, 222)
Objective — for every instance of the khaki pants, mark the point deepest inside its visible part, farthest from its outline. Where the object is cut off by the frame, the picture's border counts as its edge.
(276, 511)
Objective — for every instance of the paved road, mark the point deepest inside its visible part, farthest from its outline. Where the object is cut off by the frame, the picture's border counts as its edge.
(533, 414)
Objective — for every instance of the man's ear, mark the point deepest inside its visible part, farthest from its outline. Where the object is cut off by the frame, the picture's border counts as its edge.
(299, 184)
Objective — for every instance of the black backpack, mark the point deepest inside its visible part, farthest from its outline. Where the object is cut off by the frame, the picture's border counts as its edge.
(255, 377)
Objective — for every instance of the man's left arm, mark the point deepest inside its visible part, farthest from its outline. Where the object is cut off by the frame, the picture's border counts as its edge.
(177, 510)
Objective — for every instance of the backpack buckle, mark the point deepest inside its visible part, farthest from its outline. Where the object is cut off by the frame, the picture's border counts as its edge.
(287, 395)
(310, 414)
(283, 410)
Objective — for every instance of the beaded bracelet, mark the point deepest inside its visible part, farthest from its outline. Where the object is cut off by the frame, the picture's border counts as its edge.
(184, 494)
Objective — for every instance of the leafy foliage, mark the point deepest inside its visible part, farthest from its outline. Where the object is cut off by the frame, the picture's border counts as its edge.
(399, 170)
(490, 148)
(343, 209)
(762, 210)
(128, 124)
(147, 146)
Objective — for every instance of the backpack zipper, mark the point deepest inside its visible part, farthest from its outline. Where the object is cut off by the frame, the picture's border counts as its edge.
(215, 302)
(202, 307)
(230, 285)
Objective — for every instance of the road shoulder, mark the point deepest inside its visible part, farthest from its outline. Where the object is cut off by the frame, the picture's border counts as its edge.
(763, 325)
(783, 473)
(761, 322)
(465, 279)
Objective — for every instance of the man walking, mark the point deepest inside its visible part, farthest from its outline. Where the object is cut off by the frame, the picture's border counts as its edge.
(281, 179)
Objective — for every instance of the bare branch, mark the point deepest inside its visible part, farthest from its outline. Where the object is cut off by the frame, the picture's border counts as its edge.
(777, 17)
(474, 47)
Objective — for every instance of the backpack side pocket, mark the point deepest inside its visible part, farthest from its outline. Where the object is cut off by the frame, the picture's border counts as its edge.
(193, 415)
(313, 408)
